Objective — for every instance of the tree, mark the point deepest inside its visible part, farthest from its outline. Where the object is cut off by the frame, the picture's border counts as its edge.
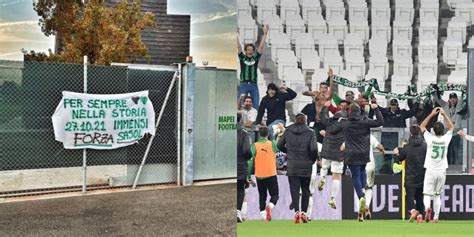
(104, 34)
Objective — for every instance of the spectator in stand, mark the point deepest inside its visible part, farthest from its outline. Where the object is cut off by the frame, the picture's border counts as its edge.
(249, 115)
(455, 111)
(248, 67)
(274, 103)
(393, 117)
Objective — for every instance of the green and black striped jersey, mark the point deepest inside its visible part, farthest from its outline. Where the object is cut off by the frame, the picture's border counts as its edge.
(248, 67)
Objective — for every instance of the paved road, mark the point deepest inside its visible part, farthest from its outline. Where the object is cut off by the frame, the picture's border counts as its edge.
(185, 211)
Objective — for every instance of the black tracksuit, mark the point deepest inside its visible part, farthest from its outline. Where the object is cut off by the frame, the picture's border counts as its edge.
(414, 155)
(243, 155)
(275, 106)
(299, 143)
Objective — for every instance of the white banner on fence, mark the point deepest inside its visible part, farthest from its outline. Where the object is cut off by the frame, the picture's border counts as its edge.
(103, 121)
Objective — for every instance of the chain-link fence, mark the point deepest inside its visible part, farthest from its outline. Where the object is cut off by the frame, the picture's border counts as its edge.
(33, 161)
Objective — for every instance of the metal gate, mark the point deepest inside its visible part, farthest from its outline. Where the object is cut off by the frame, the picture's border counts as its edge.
(31, 159)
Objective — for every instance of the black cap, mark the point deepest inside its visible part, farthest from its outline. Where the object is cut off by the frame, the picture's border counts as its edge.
(453, 95)
(393, 101)
(272, 86)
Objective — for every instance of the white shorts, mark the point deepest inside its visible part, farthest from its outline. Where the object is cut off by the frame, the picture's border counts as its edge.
(434, 182)
(336, 166)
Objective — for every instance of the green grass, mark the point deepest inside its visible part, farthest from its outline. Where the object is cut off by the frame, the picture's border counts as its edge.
(352, 228)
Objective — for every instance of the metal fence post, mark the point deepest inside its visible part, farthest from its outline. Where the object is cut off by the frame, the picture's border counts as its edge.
(178, 143)
(84, 152)
(156, 127)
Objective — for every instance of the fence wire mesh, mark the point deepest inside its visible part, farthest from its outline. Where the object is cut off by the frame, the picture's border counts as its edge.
(33, 161)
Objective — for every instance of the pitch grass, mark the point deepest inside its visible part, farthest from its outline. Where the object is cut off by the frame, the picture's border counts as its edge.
(352, 228)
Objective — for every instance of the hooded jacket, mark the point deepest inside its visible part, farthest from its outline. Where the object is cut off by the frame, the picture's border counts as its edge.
(414, 155)
(243, 153)
(299, 144)
(357, 136)
(334, 137)
(275, 106)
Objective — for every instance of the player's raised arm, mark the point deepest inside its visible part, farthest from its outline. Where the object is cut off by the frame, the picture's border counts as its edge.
(425, 122)
(239, 46)
(262, 41)
(446, 118)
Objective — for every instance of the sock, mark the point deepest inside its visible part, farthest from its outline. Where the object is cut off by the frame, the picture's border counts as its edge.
(310, 206)
(335, 188)
(436, 206)
(271, 205)
(427, 201)
(239, 215)
(323, 172)
(244, 209)
(263, 214)
(368, 197)
(312, 183)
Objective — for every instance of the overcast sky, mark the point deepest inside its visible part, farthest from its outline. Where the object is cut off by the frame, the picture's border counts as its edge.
(213, 25)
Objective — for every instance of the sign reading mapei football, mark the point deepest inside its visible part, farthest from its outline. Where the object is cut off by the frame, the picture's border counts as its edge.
(103, 121)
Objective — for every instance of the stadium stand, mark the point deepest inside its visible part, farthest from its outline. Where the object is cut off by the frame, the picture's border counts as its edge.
(399, 42)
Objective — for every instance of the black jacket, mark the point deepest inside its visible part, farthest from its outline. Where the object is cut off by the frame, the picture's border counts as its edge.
(357, 137)
(243, 153)
(310, 111)
(398, 118)
(414, 153)
(299, 144)
(275, 106)
(333, 139)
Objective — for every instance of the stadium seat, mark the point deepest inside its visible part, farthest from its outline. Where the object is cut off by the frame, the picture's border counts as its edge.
(310, 8)
(458, 77)
(279, 43)
(358, 9)
(335, 10)
(353, 43)
(380, 9)
(243, 7)
(288, 8)
(275, 26)
(377, 75)
(319, 75)
(452, 48)
(327, 44)
(265, 8)
(293, 75)
(428, 66)
(399, 83)
(379, 64)
(401, 48)
(457, 29)
(360, 25)
(248, 31)
(295, 27)
(461, 62)
(402, 30)
(333, 60)
(403, 66)
(286, 61)
(404, 10)
(355, 63)
(429, 10)
(378, 46)
(381, 27)
(428, 30)
(310, 61)
(337, 27)
(453, 4)
(304, 43)
(317, 27)
(464, 11)
(428, 48)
